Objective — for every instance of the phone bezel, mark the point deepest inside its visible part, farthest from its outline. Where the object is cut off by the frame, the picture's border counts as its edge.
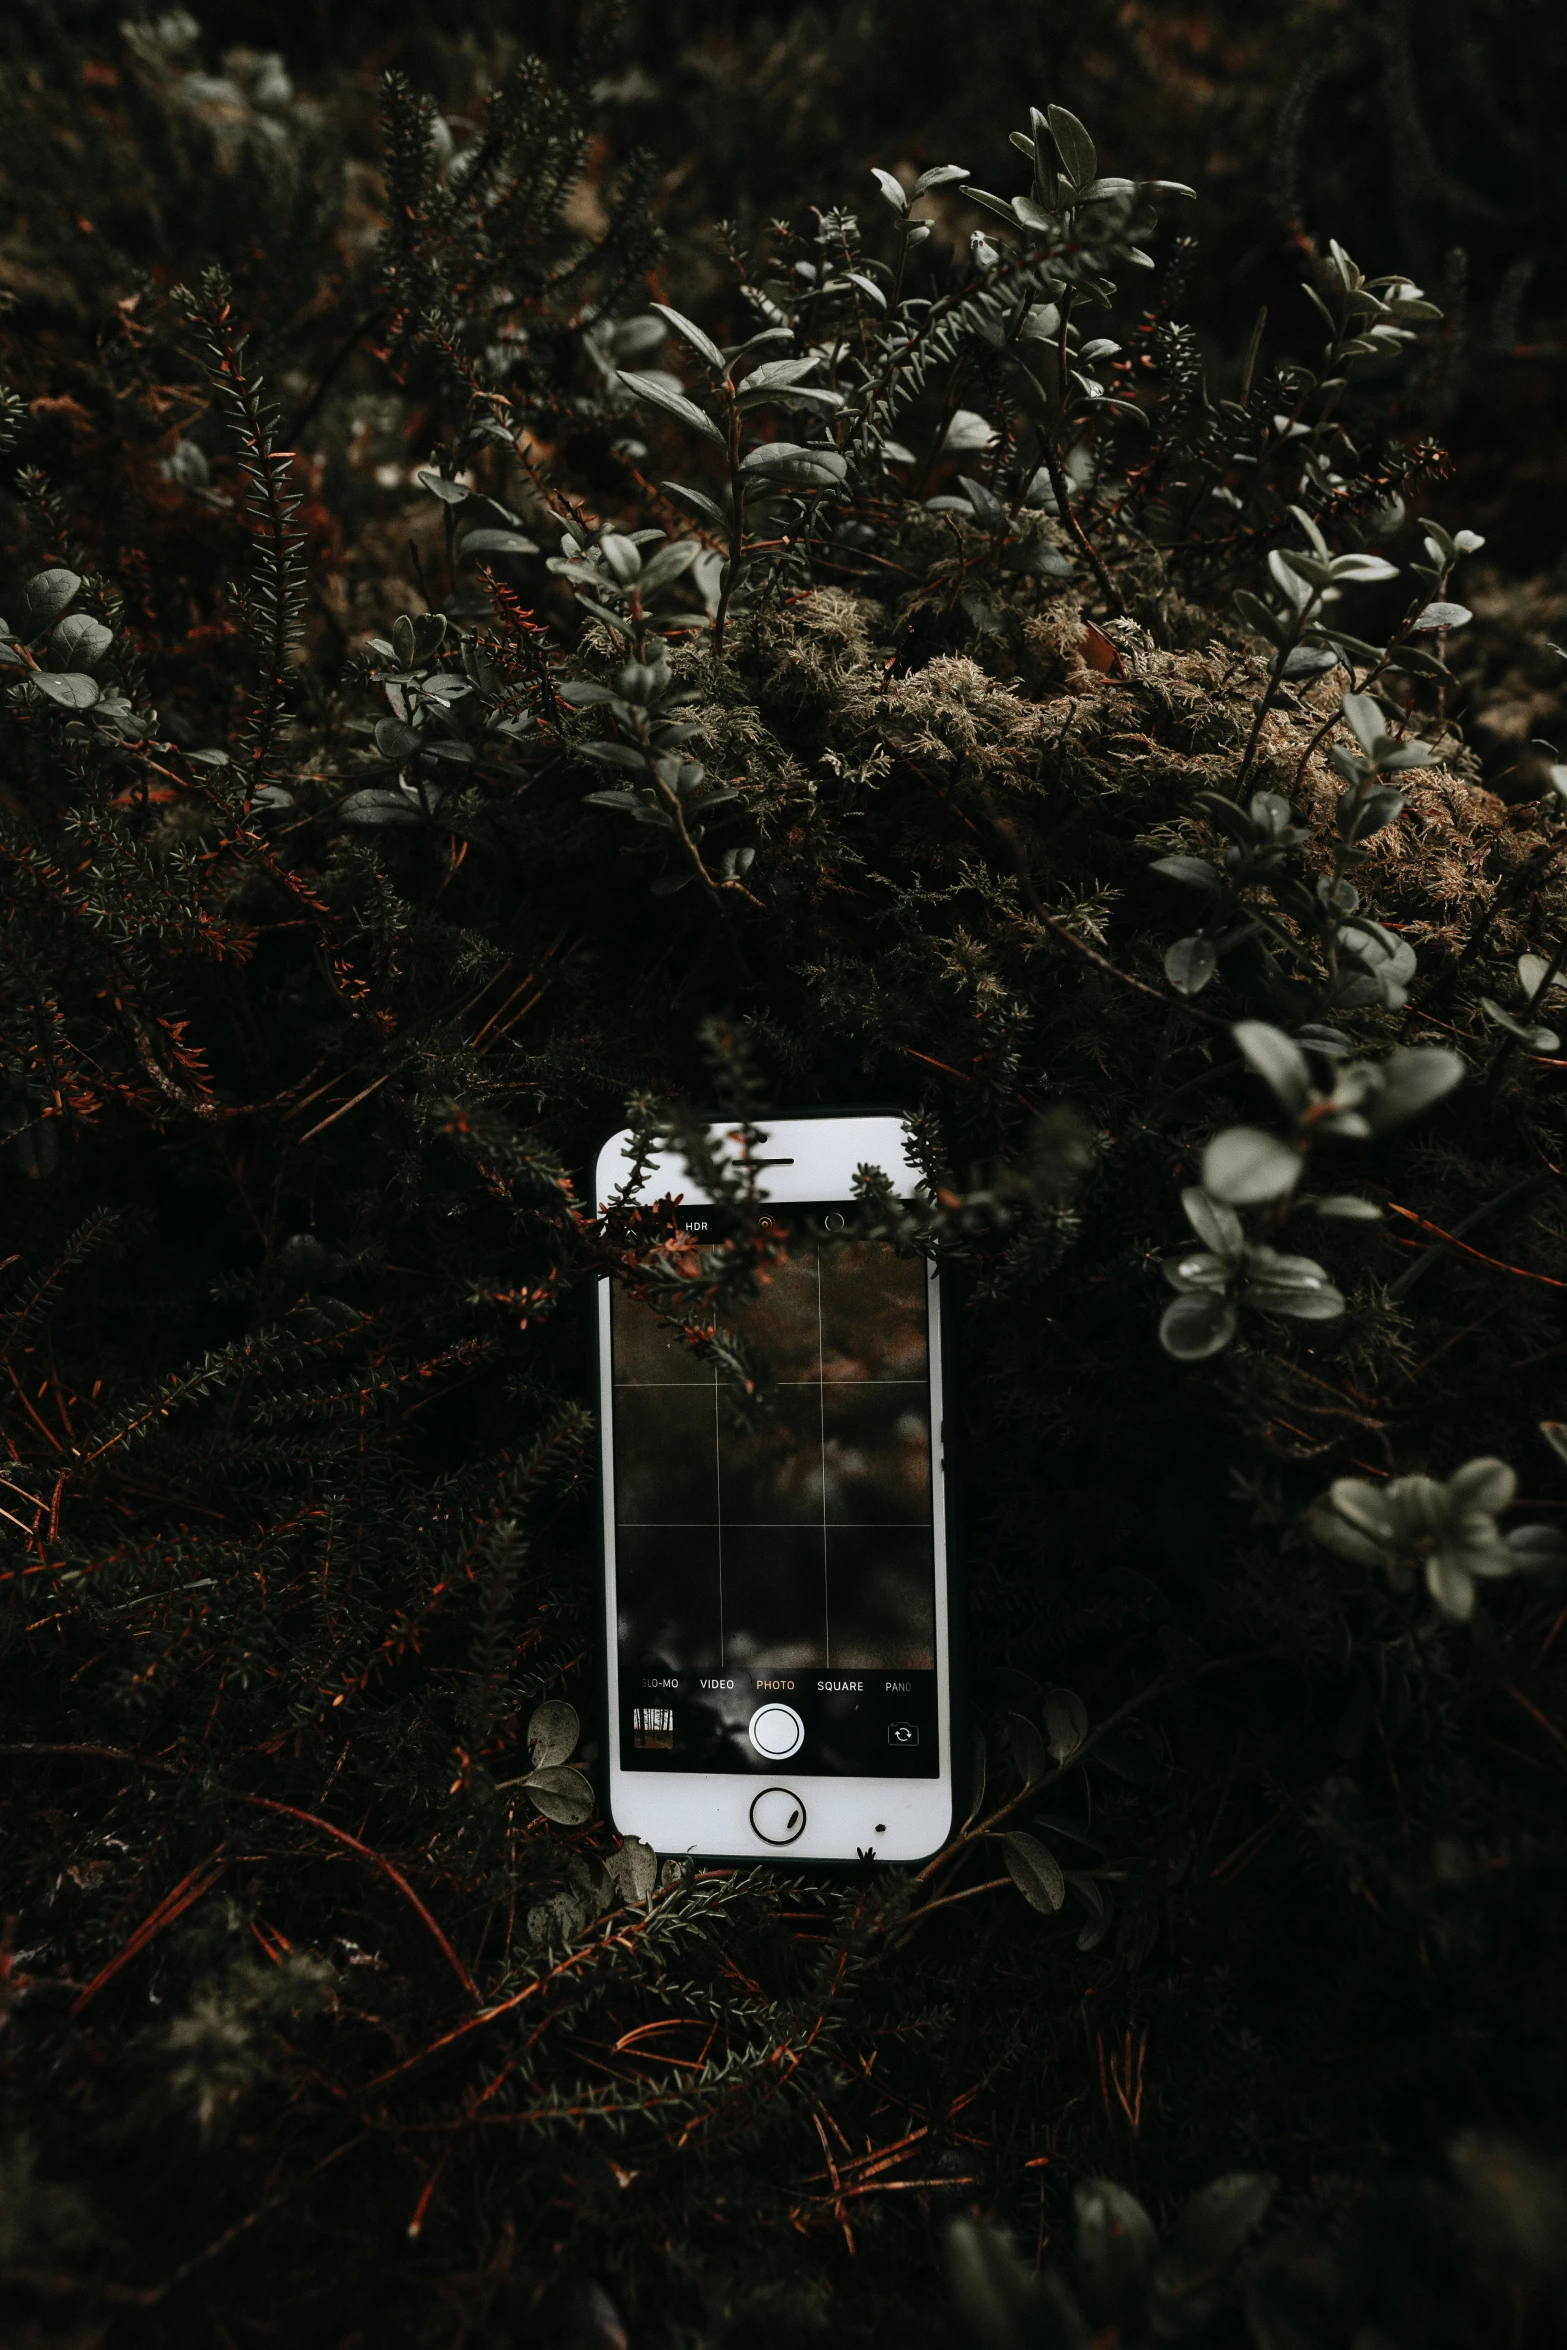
(706, 1814)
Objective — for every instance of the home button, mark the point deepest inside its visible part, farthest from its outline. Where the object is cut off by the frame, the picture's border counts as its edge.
(778, 1816)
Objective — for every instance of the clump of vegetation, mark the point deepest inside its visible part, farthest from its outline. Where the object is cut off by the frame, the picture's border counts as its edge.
(474, 670)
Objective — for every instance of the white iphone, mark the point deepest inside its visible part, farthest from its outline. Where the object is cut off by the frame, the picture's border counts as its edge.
(777, 1613)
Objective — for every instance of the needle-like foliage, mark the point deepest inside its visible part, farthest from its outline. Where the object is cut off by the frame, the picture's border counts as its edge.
(486, 658)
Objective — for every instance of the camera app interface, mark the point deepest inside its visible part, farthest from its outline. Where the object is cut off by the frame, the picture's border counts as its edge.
(776, 1586)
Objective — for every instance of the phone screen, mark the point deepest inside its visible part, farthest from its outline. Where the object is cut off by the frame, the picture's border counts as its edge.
(776, 1586)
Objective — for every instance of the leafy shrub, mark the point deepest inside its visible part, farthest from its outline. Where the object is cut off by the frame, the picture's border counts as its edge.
(893, 669)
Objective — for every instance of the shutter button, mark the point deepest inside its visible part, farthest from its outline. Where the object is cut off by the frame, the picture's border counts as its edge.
(777, 1731)
(777, 1815)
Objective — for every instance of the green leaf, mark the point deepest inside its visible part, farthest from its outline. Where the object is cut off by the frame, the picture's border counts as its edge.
(1190, 2275)
(1531, 974)
(668, 564)
(624, 755)
(45, 597)
(633, 1870)
(866, 285)
(1035, 1871)
(797, 395)
(72, 689)
(659, 395)
(1301, 1301)
(1278, 1060)
(1029, 213)
(610, 620)
(1101, 1911)
(1190, 963)
(1256, 615)
(1365, 811)
(1027, 1749)
(1362, 567)
(378, 807)
(780, 374)
(1192, 1328)
(989, 203)
(553, 1731)
(495, 542)
(1445, 616)
(1244, 1166)
(563, 1796)
(1079, 160)
(818, 468)
(700, 503)
(1309, 661)
(394, 739)
(1216, 1225)
(1000, 2301)
(79, 640)
(1538, 1039)
(416, 638)
(941, 175)
(1413, 1077)
(892, 189)
(1115, 2247)
(702, 344)
(1367, 719)
(450, 493)
(1195, 872)
(985, 506)
(1555, 1434)
(1201, 1271)
(1287, 561)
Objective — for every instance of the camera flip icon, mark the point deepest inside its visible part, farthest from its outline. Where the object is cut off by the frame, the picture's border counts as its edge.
(903, 1734)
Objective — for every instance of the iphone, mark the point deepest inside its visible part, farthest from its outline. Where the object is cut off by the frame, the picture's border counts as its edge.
(777, 1605)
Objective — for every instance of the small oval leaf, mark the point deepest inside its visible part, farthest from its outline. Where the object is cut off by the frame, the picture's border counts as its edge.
(1035, 1871)
(1189, 964)
(1243, 1166)
(563, 1796)
(46, 595)
(72, 689)
(553, 1731)
(496, 542)
(79, 640)
(659, 395)
(1027, 1749)
(633, 1869)
(1115, 2245)
(1197, 1326)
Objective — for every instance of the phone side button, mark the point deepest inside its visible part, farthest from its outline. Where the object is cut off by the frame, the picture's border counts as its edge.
(778, 1815)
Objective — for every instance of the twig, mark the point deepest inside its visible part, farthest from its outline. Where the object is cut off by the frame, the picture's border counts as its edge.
(1431, 1256)
(1451, 1240)
(388, 1869)
(1534, 1714)
(174, 1904)
(342, 1111)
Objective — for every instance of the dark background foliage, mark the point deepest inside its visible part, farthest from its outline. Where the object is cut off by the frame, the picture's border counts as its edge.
(312, 2026)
